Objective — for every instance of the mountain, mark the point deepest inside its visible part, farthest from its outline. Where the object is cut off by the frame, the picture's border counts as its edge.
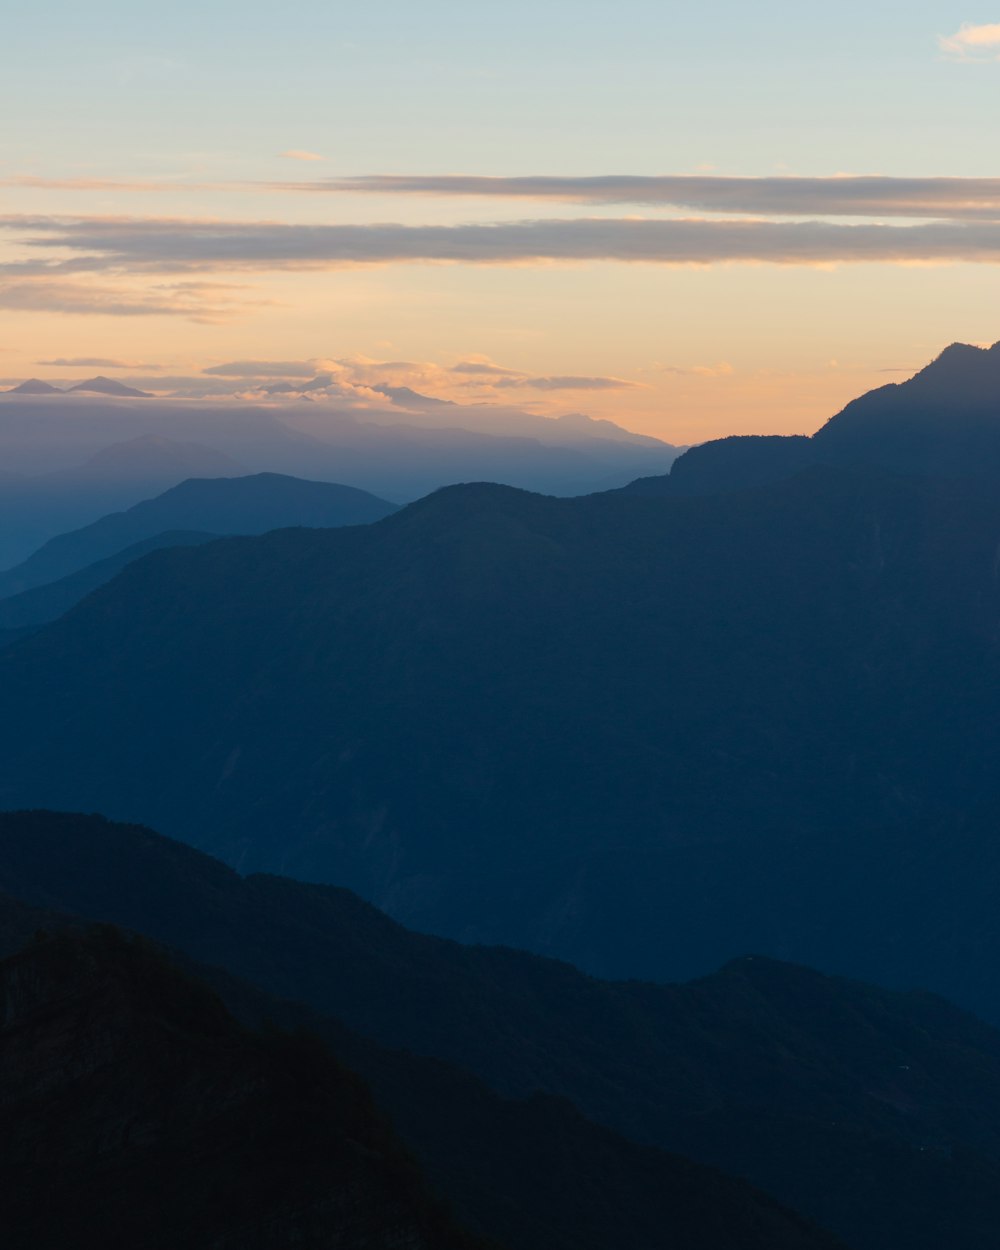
(230, 505)
(34, 386)
(391, 450)
(151, 458)
(532, 1173)
(943, 422)
(34, 508)
(642, 734)
(135, 1111)
(109, 386)
(877, 1114)
(22, 613)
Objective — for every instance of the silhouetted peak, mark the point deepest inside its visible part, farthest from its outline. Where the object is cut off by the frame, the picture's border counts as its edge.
(110, 386)
(35, 386)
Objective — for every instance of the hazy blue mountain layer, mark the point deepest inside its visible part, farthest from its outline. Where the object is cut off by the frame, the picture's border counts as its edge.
(23, 613)
(643, 734)
(227, 505)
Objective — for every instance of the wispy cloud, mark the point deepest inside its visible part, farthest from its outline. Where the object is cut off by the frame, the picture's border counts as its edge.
(270, 368)
(300, 154)
(129, 246)
(484, 368)
(838, 196)
(973, 43)
(96, 362)
(721, 370)
(204, 302)
(872, 196)
(569, 383)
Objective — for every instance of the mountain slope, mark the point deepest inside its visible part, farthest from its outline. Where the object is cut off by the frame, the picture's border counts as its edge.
(33, 608)
(136, 1112)
(229, 505)
(943, 422)
(644, 735)
(799, 1082)
(533, 1173)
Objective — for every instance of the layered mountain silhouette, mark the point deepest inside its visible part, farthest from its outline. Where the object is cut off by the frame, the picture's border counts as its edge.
(876, 1114)
(23, 613)
(532, 1173)
(36, 507)
(642, 734)
(136, 1112)
(943, 422)
(232, 505)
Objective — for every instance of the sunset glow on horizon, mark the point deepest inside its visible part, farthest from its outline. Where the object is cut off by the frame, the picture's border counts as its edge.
(589, 206)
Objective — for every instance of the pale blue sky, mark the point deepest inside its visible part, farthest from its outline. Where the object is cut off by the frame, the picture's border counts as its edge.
(514, 87)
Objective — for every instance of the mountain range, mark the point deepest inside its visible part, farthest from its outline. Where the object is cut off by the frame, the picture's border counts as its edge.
(250, 504)
(716, 752)
(874, 1114)
(641, 734)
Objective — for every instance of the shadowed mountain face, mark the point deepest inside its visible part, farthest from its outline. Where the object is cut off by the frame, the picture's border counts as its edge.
(136, 1112)
(231, 505)
(23, 613)
(877, 1114)
(532, 1174)
(944, 422)
(645, 735)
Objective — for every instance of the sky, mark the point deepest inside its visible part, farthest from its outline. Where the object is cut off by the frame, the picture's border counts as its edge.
(694, 220)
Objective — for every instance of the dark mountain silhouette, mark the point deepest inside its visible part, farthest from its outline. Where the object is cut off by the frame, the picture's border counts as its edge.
(135, 1111)
(532, 1172)
(109, 386)
(877, 1114)
(35, 386)
(642, 734)
(231, 505)
(943, 422)
(22, 613)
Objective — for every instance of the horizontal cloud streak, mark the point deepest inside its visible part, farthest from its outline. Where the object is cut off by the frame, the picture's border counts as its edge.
(94, 362)
(570, 383)
(824, 197)
(959, 199)
(131, 245)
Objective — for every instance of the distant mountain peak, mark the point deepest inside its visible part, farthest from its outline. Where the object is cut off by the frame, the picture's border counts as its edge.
(110, 386)
(35, 386)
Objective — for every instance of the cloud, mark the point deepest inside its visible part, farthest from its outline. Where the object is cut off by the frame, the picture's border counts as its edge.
(569, 383)
(873, 196)
(299, 154)
(95, 362)
(973, 43)
(838, 196)
(484, 368)
(721, 370)
(132, 246)
(204, 302)
(271, 368)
